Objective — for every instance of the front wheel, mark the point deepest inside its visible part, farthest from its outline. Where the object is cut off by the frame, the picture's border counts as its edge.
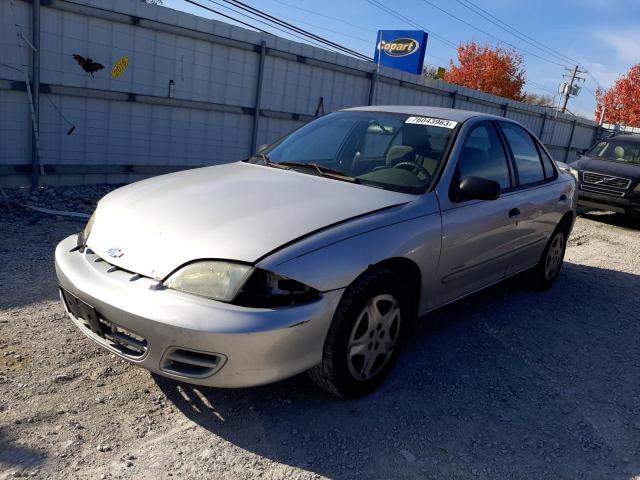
(365, 336)
(550, 263)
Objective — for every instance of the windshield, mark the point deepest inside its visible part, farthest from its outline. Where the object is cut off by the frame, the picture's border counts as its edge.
(393, 151)
(617, 150)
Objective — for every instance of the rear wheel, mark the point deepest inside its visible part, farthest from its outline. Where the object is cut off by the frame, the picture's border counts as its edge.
(550, 263)
(365, 336)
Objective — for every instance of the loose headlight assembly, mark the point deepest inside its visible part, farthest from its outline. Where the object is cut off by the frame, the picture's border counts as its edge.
(83, 236)
(266, 289)
(240, 284)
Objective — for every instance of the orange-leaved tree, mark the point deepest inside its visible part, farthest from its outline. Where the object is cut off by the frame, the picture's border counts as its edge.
(489, 69)
(622, 101)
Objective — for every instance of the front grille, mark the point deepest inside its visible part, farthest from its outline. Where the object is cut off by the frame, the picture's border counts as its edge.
(125, 341)
(606, 181)
(189, 363)
(602, 190)
(103, 330)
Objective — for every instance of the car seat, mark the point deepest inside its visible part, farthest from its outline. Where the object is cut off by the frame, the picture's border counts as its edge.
(415, 148)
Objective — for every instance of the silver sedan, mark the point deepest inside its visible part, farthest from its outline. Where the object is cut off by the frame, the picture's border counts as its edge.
(319, 251)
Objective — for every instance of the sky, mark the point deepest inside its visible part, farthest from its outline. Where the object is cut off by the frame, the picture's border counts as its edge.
(601, 35)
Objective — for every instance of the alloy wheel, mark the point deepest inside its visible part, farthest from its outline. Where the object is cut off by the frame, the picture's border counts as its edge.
(554, 256)
(374, 337)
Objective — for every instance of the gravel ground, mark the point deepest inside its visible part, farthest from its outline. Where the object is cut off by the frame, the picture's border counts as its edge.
(506, 384)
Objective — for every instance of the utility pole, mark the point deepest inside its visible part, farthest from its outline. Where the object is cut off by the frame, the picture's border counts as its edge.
(35, 84)
(570, 89)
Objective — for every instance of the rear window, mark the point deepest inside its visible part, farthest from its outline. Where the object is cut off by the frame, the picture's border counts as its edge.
(547, 163)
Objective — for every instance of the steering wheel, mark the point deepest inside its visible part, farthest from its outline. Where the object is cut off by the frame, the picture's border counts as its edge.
(413, 167)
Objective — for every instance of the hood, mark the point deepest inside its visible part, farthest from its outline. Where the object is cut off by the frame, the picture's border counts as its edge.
(236, 211)
(616, 169)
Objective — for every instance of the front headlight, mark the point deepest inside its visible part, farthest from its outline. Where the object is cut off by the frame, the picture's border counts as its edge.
(215, 279)
(575, 173)
(240, 284)
(83, 236)
(569, 169)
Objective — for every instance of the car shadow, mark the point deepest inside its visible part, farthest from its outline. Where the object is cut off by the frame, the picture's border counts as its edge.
(15, 458)
(507, 383)
(614, 219)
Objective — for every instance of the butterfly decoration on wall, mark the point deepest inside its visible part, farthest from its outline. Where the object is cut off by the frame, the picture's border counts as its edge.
(87, 64)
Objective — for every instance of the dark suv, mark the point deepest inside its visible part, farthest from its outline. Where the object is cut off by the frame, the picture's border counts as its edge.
(609, 175)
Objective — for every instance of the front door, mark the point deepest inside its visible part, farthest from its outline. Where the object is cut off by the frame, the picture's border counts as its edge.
(478, 236)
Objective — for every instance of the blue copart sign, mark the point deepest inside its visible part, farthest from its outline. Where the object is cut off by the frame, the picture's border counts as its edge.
(401, 49)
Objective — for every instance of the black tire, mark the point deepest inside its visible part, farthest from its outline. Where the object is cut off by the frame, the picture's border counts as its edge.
(336, 372)
(541, 276)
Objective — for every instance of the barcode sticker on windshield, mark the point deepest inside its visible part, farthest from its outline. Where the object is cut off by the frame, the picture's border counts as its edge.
(435, 122)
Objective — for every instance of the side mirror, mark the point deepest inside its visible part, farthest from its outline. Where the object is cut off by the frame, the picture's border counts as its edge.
(477, 188)
(262, 147)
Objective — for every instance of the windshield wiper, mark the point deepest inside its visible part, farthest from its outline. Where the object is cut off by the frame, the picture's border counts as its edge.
(267, 161)
(322, 171)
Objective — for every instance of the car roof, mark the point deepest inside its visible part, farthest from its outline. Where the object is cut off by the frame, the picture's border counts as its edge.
(447, 113)
(632, 137)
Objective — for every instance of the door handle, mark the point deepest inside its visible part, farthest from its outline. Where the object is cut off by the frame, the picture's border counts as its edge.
(563, 198)
(514, 212)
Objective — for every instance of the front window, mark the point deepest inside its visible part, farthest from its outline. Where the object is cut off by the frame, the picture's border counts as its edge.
(483, 156)
(617, 150)
(385, 150)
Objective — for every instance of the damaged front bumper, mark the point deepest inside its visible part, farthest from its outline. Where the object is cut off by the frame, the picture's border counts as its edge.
(186, 337)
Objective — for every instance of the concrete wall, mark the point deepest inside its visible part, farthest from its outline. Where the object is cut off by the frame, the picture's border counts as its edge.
(128, 128)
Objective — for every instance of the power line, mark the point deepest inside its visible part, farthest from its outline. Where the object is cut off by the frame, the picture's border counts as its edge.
(251, 25)
(227, 16)
(491, 35)
(513, 31)
(541, 87)
(598, 84)
(400, 16)
(289, 19)
(259, 13)
(516, 32)
(319, 45)
(337, 19)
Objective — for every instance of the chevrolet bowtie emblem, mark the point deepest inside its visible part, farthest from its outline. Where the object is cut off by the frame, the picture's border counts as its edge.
(115, 252)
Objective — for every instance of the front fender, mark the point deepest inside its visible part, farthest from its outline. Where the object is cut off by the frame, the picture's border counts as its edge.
(334, 264)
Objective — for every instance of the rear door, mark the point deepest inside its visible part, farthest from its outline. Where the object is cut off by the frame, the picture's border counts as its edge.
(477, 235)
(540, 200)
